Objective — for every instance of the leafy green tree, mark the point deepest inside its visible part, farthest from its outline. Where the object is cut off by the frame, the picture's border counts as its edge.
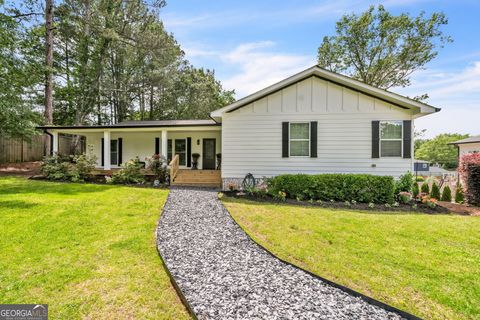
(382, 49)
(438, 150)
(18, 77)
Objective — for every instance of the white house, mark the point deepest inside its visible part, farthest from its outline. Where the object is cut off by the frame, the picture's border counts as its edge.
(468, 145)
(315, 121)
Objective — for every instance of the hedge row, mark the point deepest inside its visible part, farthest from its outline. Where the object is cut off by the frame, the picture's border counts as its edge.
(338, 187)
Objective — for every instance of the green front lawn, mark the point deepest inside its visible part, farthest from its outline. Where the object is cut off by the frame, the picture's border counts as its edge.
(428, 265)
(88, 251)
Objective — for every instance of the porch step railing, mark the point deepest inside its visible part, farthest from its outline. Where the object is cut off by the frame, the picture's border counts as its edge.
(174, 166)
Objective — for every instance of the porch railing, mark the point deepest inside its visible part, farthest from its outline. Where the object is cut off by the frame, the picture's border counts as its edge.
(174, 166)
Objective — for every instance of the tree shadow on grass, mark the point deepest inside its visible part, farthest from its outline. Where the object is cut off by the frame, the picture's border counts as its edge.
(16, 204)
(24, 186)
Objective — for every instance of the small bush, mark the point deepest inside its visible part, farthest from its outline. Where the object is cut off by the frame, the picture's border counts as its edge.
(334, 187)
(447, 194)
(405, 197)
(415, 190)
(158, 165)
(435, 191)
(71, 168)
(419, 179)
(425, 188)
(130, 173)
(404, 183)
(459, 198)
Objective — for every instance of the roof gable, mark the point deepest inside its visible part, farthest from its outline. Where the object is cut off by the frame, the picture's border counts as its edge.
(341, 80)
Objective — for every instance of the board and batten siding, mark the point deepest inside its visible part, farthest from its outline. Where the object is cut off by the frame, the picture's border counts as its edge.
(252, 135)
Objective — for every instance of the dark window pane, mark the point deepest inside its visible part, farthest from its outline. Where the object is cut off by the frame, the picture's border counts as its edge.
(299, 131)
(169, 150)
(299, 148)
(391, 129)
(391, 148)
(114, 152)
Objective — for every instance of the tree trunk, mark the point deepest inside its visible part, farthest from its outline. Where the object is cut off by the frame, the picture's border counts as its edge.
(48, 62)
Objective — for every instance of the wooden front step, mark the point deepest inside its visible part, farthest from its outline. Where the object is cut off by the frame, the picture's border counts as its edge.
(208, 178)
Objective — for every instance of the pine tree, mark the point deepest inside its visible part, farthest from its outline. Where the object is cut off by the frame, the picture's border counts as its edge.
(459, 198)
(447, 194)
(435, 191)
(425, 188)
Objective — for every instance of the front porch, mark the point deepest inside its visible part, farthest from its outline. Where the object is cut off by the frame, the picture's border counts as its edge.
(193, 144)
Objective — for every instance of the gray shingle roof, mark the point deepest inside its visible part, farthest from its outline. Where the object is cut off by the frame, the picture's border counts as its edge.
(473, 139)
(142, 124)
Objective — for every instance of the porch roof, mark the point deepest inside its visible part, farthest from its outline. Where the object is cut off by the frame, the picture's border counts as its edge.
(141, 124)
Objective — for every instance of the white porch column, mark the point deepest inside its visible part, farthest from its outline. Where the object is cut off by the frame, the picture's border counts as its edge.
(106, 150)
(164, 148)
(54, 143)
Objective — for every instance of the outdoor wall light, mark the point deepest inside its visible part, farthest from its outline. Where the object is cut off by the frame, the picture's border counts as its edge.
(198, 142)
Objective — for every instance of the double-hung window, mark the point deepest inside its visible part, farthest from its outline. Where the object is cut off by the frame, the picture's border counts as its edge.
(299, 139)
(114, 152)
(391, 138)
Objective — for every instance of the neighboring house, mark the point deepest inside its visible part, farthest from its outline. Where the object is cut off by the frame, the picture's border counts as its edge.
(316, 121)
(468, 145)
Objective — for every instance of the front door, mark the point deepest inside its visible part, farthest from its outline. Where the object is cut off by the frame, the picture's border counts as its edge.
(208, 159)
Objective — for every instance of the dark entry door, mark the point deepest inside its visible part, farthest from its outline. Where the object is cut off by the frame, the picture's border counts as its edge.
(208, 159)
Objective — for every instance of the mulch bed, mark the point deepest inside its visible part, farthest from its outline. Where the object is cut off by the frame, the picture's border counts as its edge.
(341, 205)
(462, 209)
(20, 169)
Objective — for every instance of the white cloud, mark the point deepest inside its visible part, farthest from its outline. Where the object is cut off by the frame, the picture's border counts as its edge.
(259, 66)
(457, 93)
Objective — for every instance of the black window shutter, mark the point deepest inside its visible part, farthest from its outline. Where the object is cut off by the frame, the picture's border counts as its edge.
(407, 138)
(375, 139)
(313, 139)
(157, 145)
(189, 152)
(284, 139)
(120, 151)
(103, 152)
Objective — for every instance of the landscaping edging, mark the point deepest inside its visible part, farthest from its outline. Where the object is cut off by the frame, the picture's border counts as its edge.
(332, 283)
(340, 205)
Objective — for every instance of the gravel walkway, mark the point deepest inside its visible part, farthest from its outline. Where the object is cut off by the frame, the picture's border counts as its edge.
(225, 275)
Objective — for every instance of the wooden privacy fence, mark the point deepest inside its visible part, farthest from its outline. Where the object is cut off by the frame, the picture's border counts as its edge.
(19, 150)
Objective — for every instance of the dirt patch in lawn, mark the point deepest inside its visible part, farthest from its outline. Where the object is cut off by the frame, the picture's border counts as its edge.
(20, 169)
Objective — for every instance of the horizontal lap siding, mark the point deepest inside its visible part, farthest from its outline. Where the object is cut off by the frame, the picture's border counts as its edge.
(252, 136)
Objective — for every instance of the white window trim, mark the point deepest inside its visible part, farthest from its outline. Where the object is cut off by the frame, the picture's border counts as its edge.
(380, 139)
(309, 139)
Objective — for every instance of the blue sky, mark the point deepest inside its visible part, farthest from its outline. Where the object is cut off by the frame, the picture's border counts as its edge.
(252, 44)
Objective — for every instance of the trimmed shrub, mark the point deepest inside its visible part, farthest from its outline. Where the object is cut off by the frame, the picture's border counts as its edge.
(459, 198)
(334, 187)
(447, 194)
(435, 191)
(71, 168)
(130, 173)
(472, 192)
(425, 188)
(404, 183)
(415, 190)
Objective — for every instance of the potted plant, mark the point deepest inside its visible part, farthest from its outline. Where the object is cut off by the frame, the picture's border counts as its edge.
(195, 157)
